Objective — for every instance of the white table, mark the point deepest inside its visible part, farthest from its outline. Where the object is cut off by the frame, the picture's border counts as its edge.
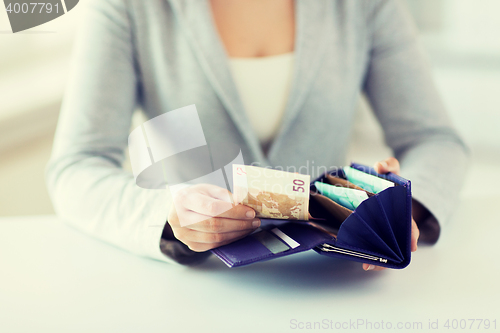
(55, 279)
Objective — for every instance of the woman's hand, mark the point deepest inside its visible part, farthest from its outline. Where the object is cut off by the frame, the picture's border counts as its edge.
(208, 219)
(392, 165)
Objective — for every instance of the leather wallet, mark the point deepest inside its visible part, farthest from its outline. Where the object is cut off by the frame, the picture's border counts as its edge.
(377, 232)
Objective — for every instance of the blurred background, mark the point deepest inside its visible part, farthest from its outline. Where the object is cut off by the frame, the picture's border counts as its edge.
(460, 37)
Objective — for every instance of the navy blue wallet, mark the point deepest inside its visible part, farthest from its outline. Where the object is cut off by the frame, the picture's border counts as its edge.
(377, 232)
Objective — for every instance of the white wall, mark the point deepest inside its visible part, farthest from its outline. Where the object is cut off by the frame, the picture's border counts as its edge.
(33, 71)
(465, 52)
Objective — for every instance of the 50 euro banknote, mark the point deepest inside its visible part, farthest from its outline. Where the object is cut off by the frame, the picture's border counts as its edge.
(272, 193)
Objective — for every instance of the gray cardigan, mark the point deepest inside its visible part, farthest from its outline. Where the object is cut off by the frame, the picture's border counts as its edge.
(161, 55)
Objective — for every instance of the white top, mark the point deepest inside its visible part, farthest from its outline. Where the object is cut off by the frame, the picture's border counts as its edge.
(264, 84)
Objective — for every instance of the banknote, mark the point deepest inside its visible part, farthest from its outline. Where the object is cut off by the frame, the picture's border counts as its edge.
(272, 193)
(366, 181)
(347, 197)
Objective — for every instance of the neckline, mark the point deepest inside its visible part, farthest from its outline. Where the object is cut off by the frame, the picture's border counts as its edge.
(271, 57)
(312, 19)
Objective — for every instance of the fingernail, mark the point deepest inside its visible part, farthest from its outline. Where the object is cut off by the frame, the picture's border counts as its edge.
(370, 267)
(384, 164)
(256, 223)
(251, 214)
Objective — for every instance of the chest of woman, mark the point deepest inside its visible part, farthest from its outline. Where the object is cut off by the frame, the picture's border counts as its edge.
(182, 60)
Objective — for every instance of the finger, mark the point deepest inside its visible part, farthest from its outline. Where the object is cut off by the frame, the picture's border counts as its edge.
(232, 220)
(194, 236)
(187, 217)
(238, 212)
(390, 164)
(205, 205)
(415, 234)
(221, 224)
(368, 267)
(210, 200)
(210, 207)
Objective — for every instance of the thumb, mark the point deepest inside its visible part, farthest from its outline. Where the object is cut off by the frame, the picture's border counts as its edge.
(390, 164)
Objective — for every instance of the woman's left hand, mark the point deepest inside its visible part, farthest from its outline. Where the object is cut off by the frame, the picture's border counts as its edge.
(392, 165)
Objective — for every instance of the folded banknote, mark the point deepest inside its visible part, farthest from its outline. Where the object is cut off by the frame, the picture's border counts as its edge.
(272, 193)
(347, 197)
(366, 181)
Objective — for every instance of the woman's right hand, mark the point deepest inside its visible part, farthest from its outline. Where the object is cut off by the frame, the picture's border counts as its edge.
(203, 219)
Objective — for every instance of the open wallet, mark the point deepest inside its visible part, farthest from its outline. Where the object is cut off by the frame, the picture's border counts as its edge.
(377, 231)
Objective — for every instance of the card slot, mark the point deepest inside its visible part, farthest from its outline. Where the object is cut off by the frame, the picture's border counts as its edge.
(271, 242)
(337, 181)
(238, 254)
(251, 248)
(292, 243)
